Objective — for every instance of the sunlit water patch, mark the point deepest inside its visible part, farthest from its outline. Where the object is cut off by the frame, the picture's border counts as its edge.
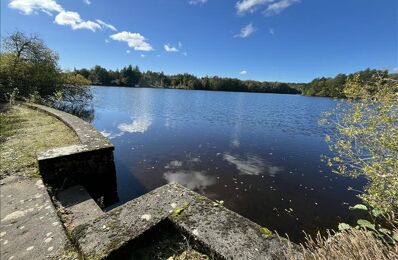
(259, 153)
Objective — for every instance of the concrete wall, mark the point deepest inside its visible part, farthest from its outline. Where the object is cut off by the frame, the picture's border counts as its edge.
(89, 163)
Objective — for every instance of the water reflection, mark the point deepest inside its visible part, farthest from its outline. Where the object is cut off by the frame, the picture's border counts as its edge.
(193, 180)
(140, 125)
(111, 135)
(253, 165)
(260, 153)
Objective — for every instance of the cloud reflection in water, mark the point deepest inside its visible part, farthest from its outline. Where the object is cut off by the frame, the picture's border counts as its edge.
(190, 179)
(140, 125)
(111, 135)
(253, 165)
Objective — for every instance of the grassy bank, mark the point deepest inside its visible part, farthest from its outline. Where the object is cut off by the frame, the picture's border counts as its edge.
(24, 133)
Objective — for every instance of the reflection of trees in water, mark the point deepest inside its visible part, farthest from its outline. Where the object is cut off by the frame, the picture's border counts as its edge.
(76, 101)
(85, 112)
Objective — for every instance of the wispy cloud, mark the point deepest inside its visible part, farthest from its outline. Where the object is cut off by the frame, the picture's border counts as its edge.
(246, 31)
(87, 2)
(269, 6)
(197, 2)
(279, 6)
(250, 5)
(106, 25)
(243, 72)
(170, 48)
(134, 40)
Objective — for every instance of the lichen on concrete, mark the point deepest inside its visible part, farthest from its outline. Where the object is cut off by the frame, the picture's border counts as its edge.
(218, 230)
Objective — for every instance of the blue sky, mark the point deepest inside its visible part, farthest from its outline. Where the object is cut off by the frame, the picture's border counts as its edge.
(273, 40)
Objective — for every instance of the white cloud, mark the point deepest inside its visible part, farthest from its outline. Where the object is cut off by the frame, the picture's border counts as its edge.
(180, 45)
(246, 31)
(134, 40)
(197, 2)
(270, 6)
(143, 55)
(106, 25)
(185, 54)
(250, 5)
(243, 72)
(106, 41)
(73, 20)
(63, 17)
(29, 6)
(279, 6)
(127, 51)
(170, 48)
(87, 2)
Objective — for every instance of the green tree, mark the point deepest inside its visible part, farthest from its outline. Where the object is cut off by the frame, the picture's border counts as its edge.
(28, 65)
(365, 141)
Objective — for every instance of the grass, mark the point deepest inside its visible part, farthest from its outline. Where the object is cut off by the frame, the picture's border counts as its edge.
(347, 244)
(25, 132)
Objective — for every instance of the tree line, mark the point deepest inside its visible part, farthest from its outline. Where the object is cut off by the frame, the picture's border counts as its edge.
(132, 77)
(337, 86)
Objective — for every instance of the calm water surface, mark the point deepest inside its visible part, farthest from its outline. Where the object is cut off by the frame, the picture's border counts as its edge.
(259, 153)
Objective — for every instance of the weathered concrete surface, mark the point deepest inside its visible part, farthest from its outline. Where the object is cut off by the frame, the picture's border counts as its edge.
(119, 226)
(221, 232)
(77, 207)
(30, 227)
(91, 160)
(226, 233)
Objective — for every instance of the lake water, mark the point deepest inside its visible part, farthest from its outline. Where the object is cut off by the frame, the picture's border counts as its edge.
(259, 153)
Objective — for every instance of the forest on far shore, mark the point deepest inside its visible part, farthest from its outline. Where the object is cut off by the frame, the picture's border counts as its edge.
(132, 77)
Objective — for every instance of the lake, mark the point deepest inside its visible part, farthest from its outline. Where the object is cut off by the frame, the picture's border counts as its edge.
(259, 153)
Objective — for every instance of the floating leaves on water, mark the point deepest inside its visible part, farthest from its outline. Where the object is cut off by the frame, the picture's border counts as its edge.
(266, 231)
(359, 207)
(343, 226)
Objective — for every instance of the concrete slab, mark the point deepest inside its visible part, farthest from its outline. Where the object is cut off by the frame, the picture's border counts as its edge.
(79, 205)
(30, 227)
(221, 232)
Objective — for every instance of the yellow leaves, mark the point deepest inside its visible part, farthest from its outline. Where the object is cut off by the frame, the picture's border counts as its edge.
(327, 138)
(366, 141)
